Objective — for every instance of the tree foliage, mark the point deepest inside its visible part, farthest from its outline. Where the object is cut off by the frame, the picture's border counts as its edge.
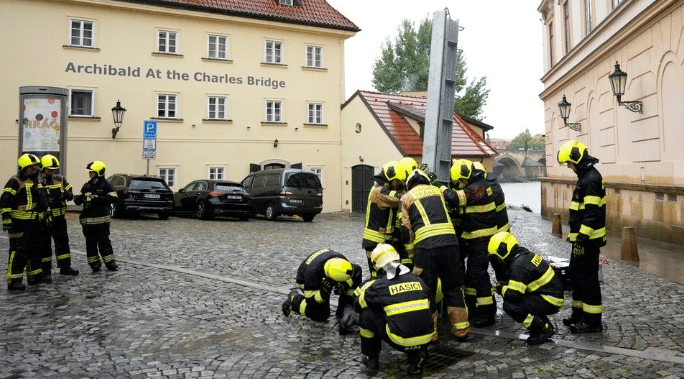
(404, 65)
(526, 140)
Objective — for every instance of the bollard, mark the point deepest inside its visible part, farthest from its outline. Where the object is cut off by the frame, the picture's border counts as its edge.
(629, 245)
(557, 229)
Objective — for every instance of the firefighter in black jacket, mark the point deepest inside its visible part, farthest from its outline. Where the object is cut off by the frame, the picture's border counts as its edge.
(426, 224)
(472, 195)
(394, 307)
(323, 272)
(24, 204)
(530, 289)
(59, 192)
(587, 234)
(97, 197)
(381, 210)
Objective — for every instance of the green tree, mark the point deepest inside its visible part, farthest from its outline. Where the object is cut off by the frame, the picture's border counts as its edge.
(404, 65)
(526, 140)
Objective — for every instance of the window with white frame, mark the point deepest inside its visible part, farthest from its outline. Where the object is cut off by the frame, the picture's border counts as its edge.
(314, 56)
(566, 27)
(588, 25)
(315, 113)
(82, 101)
(274, 52)
(551, 43)
(167, 105)
(285, 2)
(274, 111)
(167, 41)
(216, 108)
(318, 171)
(217, 47)
(616, 3)
(168, 174)
(217, 172)
(81, 33)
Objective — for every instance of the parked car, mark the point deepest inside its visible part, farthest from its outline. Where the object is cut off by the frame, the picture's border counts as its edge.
(141, 194)
(206, 198)
(285, 192)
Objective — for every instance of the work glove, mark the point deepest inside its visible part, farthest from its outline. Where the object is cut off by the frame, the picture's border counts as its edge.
(499, 287)
(434, 179)
(349, 318)
(328, 285)
(339, 288)
(577, 251)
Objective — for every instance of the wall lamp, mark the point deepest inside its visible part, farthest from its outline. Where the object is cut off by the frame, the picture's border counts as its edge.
(360, 159)
(118, 115)
(618, 82)
(275, 143)
(564, 107)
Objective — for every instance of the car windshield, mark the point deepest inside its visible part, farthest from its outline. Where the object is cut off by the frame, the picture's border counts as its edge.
(303, 180)
(146, 184)
(224, 187)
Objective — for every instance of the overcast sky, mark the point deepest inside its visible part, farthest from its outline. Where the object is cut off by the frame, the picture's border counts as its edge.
(501, 41)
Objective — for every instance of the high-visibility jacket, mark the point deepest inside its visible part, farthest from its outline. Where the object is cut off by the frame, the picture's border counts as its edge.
(530, 273)
(380, 216)
(476, 206)
(500, 202)
(22, 199)
(311, 273)
(97, 196)
(404, 301)
(588, 208)
(425, 221)
(59, 192)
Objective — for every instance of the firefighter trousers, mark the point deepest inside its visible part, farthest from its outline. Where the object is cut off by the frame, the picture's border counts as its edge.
(25, 244)
(441, 263)
(373, 331)
(58, 233)
(586, 288)
(531, 304)
(97, 238)
(478, 285)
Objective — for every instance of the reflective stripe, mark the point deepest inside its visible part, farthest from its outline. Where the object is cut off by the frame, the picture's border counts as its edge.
(500, 207)
(553, 300)
(527, 321)
(432, 230)
(595, 200)
(479, 233)
(93, 259)
(469, 291)
(47, 259)
(572, 237)
(24, 215)
(593, 234)
(10, 190)
(375, 236)
(461, 325)
(577, 304)
(63, 256)
(413, 341)
(461, 197)
(95, 220)
(302, 308)
(593, 309)
(485, 301)
(361, 293)
(481, 208)
(9, 274)
(504, 228)
(365, 333)
(517, 286)
(543, 280)
(408, 306)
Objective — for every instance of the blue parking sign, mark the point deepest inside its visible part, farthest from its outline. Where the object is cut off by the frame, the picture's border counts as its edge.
(150, 130)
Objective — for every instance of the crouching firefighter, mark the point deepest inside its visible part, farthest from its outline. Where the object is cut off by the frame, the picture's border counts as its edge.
(322, 273)
(394, 307)
(533, 290)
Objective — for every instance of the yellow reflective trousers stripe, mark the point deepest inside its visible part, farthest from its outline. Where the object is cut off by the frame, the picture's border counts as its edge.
(408, 306)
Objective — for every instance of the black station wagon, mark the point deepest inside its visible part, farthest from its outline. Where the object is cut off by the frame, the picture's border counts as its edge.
(207, 198)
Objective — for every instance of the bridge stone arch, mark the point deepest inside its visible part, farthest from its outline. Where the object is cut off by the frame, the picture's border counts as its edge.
(508, 167)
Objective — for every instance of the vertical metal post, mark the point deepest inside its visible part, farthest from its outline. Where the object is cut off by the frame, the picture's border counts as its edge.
(439, 113)
(148, 167)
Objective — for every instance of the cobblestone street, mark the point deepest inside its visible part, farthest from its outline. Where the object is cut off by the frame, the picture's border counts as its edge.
(202, 299)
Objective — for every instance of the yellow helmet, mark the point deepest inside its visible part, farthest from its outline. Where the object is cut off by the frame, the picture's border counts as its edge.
(461, 169)
(97, 166)
(571, 151)
(49, 161)
(338, 269)
(408, 164)
(501, 244)
(27, 160)
(479, 166)
(383, 254)
(394, 170)
(417, 177)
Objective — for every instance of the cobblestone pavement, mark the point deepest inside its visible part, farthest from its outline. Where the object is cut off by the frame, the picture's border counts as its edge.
(201, 299)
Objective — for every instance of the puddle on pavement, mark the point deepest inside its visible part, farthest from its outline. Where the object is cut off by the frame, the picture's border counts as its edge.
(244, 339)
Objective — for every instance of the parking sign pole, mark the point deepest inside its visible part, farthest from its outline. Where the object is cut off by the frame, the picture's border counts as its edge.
(149, 142)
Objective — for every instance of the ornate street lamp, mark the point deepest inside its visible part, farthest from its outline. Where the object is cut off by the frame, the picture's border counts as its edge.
(618, 83)
(275, 143)
(564, 107)
(118, 115)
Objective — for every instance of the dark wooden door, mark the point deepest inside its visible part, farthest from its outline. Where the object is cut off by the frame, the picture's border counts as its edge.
(362, 181)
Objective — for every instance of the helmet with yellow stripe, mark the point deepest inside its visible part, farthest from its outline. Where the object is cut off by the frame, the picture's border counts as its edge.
(500, 246)
(338, 269)
(384, 254)
(571, 151)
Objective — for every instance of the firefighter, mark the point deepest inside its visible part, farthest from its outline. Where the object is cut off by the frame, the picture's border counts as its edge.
(502, 224)
(405, 252)
(383, 202)
(394, 307)
(587, 234)
(322, 273)
(530, 288)
(97, 196)
(23, 204)
(59, 192)
(425, 223)
(472, 195)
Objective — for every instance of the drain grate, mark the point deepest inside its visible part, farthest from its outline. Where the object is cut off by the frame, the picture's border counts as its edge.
(442, 357)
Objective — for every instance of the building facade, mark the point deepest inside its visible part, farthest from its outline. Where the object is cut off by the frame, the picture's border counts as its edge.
(639, 153)
(234, 86)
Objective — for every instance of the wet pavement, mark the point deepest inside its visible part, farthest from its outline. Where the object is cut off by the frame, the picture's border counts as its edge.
(201, 299)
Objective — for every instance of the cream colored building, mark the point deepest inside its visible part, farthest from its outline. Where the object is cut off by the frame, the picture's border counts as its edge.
(233, 86)
(640, 153)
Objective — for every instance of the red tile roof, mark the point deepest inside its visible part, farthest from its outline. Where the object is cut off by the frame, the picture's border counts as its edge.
(310, 12)
(392, 111)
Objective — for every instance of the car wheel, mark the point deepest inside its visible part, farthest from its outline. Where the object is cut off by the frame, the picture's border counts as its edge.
(271, 214)
(164, 215)
(202, 211)
(309, 217)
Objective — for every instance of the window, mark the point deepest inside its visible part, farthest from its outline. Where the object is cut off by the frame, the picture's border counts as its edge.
(216, 108)
(566, 27)
(551, 43)
(285, 2)
(616, 3)
(315, 114)
(274, 111)
(169, 175)
(217, 173)
(82, 102)
(318, 171)
(167, 42)
(81, 33)
(274, 52)
(314, 55)
(166, 106)
(217, 47)
(587, 17)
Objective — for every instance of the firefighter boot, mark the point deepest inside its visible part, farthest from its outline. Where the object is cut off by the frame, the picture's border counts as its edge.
(46, 277)
(287, 304)
(68, 271)
(112, 266)
(417, 360)
(484, 316)
(591, 323)
(541, 329)
(458, 320)
(575, 317)
(96, 266)
(371, 364)
(15, 286)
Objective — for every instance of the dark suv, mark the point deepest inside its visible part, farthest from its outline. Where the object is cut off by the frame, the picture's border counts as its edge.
(206, 198)
(285, 191)
(141, 194)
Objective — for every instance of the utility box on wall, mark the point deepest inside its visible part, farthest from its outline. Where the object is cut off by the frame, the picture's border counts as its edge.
(43, 122)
